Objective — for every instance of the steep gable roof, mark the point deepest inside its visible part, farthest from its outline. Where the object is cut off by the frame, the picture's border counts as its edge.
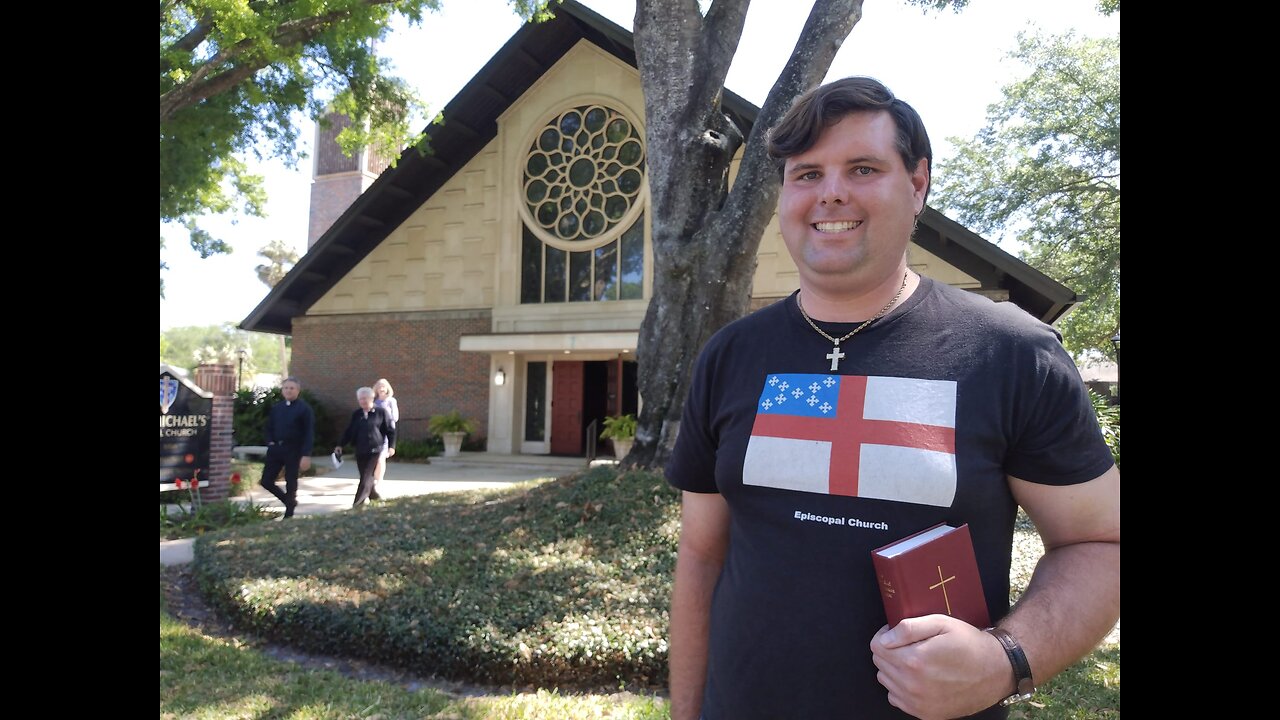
(471, 122)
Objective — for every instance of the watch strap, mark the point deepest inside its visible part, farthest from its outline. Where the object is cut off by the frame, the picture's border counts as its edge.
(1024, 685)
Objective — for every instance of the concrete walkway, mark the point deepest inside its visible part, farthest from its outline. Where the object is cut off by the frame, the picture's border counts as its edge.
(334, 491)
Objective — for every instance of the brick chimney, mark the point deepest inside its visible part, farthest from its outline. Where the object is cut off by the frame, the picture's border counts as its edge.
(339, 179)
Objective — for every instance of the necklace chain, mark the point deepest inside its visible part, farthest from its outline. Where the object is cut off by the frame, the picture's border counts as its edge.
(836, 354)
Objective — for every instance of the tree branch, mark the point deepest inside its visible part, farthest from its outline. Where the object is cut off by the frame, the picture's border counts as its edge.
(194, 37)
(1090, 182)
(829, 24)
(666, 41)
(203, 83)
(721, 33)
(188, 42)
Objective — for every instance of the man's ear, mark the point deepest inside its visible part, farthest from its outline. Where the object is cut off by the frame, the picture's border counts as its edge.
(920, 183)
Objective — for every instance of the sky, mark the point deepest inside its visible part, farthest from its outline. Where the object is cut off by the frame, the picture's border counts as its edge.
(949, 66)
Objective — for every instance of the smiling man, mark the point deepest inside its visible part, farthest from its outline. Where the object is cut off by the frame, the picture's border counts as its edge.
(880, 403)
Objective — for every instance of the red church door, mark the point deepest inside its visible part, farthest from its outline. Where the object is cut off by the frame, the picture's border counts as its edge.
(566, 408)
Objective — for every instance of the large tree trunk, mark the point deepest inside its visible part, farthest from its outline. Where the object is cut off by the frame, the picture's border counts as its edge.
(705, 237)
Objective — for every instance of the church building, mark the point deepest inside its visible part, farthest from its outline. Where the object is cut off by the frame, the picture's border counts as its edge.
(506, 274)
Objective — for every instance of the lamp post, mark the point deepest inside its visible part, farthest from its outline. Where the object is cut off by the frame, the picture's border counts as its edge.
(1115, 341)
(240, 376)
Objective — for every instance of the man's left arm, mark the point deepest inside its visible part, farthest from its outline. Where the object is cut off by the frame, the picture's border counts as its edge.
(939, 667)
(1073, 599)
(308, 437)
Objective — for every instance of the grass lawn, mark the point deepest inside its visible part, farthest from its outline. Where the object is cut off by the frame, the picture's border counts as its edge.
(537, 585)
(210, 678)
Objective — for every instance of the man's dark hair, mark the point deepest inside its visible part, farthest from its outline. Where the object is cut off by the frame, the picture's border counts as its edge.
(826, 105)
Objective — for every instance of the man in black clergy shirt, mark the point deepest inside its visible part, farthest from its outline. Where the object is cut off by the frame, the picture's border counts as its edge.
(290, 433)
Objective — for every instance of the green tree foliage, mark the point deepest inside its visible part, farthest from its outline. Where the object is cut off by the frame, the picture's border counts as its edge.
(1046, 169)
(179, 346)
(1109, 420)
(235, 78)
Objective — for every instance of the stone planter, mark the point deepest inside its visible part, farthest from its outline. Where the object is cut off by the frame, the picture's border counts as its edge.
(622, 447)
(452, 443)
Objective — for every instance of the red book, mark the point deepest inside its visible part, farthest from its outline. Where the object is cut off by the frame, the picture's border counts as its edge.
(932, 571)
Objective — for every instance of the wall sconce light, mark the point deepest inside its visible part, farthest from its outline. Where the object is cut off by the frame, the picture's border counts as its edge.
(500, 377)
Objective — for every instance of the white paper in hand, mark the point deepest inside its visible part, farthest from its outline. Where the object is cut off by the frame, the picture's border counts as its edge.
(336, 459)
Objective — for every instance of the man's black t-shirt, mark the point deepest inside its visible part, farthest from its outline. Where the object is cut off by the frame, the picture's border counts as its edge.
(931, 408)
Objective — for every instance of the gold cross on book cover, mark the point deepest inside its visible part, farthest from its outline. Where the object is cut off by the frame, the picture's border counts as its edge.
(932, 571)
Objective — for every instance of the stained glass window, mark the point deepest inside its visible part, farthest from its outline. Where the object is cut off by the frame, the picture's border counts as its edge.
(583, 185)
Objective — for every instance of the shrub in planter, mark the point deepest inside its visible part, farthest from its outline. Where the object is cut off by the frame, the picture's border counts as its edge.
(621, 429)
(451, 421)
(452, 428)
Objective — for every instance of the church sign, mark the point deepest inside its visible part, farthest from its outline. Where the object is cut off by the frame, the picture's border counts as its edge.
(186, 424)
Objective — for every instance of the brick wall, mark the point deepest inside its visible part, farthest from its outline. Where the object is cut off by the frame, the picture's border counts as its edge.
(416, 352)
(221, 381)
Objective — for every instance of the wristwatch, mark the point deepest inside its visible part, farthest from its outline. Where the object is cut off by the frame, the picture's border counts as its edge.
(1024, 686)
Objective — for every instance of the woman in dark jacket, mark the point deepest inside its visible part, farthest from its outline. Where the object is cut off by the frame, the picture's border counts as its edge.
(369, 427)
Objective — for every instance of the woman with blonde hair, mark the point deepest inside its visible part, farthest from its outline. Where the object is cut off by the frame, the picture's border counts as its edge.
(383, 397)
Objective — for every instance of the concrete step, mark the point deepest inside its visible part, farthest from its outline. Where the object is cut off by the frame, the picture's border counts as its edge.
(569, 464)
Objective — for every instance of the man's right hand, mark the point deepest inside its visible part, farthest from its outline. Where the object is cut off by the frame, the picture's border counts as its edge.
(937, 666)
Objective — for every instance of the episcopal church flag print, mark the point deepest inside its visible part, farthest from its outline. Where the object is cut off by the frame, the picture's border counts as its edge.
(887, 438)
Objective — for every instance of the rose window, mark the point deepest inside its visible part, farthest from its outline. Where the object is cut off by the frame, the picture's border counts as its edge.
(583, 177)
